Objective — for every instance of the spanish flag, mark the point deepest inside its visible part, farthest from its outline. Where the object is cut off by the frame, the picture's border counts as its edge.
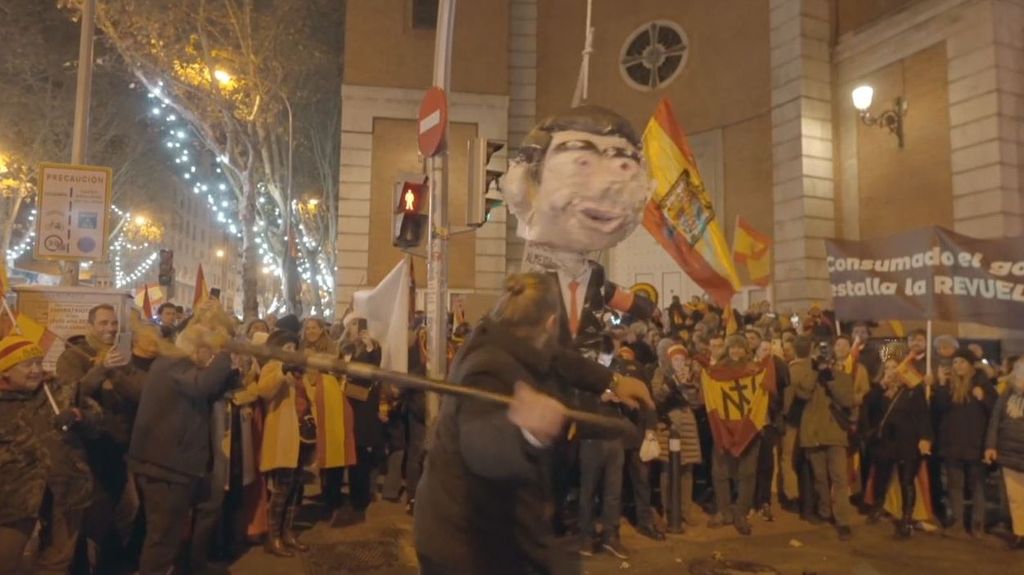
(147, 306)
(5, 284)
(679, 214)
(737, 402)
(753, 250)
(202, 292)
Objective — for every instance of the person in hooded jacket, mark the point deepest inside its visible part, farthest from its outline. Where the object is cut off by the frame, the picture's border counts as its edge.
(482, 501)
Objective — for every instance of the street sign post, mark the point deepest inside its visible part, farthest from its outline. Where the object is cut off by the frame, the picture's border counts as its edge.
(73, 212)
(433, 122)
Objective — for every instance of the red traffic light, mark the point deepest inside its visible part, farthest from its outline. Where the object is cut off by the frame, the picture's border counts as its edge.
(410, 198)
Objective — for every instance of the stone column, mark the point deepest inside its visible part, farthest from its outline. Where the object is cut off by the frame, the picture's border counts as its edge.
(986, 111)
(802, 178)
(522, 108)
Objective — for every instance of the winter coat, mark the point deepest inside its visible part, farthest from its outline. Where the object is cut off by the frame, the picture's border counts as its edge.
(962, 426)
(676, 403)
(482, 502)
(82, 353)
(909, 422)
(369, 429)
(1006, 430)
(280, 448)
(35, 457)
(818, 426)
(171, 437)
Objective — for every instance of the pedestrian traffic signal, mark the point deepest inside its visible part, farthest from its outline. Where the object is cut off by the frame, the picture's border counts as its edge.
(166, 271)
(410, 213)
(481, 179)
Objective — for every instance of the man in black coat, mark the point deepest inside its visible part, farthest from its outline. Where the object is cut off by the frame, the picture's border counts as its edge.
(170, 445)
(482, 499)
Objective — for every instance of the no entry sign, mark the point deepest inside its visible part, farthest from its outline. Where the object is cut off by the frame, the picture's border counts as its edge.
(433, 120)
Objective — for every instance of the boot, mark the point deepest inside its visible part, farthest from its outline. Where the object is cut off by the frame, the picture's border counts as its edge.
(904, 529)
(274, 545)
(288, 533)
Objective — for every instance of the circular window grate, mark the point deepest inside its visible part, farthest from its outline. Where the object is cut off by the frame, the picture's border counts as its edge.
(653, 55)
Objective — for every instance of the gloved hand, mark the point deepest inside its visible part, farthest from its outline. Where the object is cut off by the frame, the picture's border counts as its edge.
(67, 419)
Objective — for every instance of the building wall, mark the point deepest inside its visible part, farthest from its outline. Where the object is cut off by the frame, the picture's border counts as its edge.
(394, 151)
(382, 48)
(912, 187)
(854, 14)
(722, 94)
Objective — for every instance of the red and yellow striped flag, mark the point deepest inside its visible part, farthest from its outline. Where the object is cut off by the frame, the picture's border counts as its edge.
(5, 284)
(679, 214)
(147, 306)
(753, 250)
(202, 292)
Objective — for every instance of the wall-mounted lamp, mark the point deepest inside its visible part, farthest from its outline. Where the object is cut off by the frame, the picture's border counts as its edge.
(892, 119)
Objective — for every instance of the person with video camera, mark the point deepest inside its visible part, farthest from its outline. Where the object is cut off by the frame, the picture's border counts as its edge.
(824, 434)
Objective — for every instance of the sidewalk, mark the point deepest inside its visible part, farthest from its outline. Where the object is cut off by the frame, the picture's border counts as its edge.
(383, 546)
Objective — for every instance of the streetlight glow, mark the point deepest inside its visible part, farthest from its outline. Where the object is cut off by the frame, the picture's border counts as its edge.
(140, 220)
(220, 253)
(222, 77)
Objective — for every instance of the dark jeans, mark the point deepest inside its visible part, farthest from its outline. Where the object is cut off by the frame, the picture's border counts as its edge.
(167, 509)
(57, 544)
(640, 478)
(742, 470)
(206, 517)
(601, 462)
(360, 476)
(414, 456)
(766, 467)
(906, 471)
(974, 473)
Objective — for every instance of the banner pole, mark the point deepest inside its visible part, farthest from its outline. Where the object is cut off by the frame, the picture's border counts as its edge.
(928, 352)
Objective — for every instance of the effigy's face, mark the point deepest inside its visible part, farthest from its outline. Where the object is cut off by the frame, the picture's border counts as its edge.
(588, 195)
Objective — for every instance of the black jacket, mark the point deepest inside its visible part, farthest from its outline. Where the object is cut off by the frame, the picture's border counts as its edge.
(481, 502)
(895, 437)
(962, 426)
(367, 425)
(171, 437)
(1005, 433)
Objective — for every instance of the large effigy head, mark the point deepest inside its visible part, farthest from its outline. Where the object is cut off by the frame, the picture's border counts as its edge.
(578, 182)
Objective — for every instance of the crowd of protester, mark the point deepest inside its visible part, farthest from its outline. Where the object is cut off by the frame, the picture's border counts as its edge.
(165, 452)
(169, 452)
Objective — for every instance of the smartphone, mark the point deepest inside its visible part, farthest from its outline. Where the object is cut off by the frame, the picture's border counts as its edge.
(123, 344)
(361, 325)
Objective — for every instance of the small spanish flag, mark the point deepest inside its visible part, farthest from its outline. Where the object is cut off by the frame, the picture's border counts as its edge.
(147, 306)
(202, 292)
(752, 250)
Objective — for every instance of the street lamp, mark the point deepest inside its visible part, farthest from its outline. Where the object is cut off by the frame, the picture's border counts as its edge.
(223, 77)
(220, 253)
(891, 119)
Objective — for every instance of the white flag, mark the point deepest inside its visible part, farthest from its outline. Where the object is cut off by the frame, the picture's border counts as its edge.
(386, 311)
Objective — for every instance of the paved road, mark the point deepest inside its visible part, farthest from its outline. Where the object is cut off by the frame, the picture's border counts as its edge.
(788, 545)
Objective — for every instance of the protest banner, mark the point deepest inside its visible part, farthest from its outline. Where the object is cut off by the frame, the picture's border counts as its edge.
(929, 274)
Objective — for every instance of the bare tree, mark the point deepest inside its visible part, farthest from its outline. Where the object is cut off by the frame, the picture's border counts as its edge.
(236, 70)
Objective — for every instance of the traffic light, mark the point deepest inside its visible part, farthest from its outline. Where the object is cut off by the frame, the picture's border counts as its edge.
(478, 205)
(166, 273)
(410, 213)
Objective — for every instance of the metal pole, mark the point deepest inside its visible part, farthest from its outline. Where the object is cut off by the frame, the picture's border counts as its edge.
(83, 93)
(437, 260)
(675, 519)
